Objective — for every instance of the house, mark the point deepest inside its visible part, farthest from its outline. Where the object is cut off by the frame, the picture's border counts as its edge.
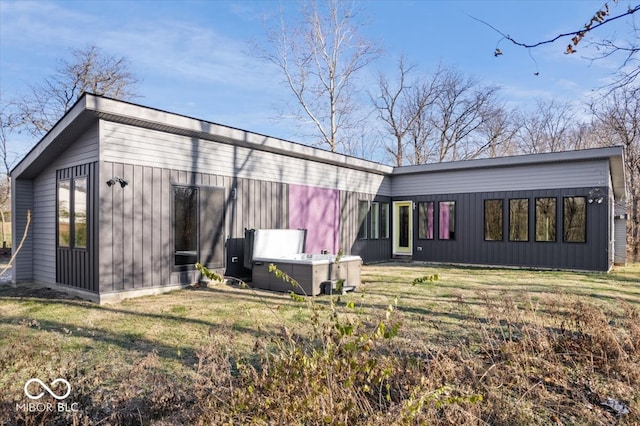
(124, 199)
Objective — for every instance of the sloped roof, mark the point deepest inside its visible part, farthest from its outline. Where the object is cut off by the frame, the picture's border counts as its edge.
(91, 107)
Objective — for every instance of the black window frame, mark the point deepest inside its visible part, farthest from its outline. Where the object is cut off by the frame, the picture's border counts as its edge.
(423, 233)
(72, 216)
(501, 219)
(185, 265)
(553, 216)
(528, 220)
(455, 210)
(363, 220)
(564, 219)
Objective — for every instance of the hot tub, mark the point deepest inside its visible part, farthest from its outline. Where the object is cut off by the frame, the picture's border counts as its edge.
(313, 272)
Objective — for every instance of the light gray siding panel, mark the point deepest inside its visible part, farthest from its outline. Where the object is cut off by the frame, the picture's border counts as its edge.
(22, 203)
(540, 176)
(82, 151)
(133, 145)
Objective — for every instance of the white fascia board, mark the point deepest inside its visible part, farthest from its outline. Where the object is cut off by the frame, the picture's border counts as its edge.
(50, 137)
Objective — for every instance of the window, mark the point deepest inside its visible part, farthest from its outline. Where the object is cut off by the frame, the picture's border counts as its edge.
(185, 204)
(363, 209)
(80, 212)
(375, 220)
(198, 226)
(447, 220)
(72, 213)
(545, 219)
(64, 213)
(384, 219)
(519, 219)
(575, 224)
(425, 220)
(493, 220)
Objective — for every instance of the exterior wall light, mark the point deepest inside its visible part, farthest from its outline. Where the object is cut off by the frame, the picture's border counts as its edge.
(115, 180)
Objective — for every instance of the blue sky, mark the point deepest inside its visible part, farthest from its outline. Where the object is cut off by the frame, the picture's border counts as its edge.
(192, 57)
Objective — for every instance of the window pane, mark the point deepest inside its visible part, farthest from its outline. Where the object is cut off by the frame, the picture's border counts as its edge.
(80, 212)
(64, 213)
(493, 220)
(447, 217)
(575, 224)
(186, 225)
(384, 219)
(375, 220)
(545, 219)
(519, 219)
(425, 220)
(363, 209)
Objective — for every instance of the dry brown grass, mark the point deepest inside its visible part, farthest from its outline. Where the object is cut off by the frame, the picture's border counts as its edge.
(478, 346)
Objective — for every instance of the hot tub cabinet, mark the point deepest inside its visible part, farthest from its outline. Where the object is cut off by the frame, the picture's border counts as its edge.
(313, 272)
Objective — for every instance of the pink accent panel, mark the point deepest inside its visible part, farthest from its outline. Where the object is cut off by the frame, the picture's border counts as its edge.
(318, 211)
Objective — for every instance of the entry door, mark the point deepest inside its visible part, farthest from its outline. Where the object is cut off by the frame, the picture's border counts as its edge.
(403, 227)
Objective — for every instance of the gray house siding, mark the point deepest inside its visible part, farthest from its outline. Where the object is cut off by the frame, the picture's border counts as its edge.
(136, 223)
(594, 173)
(245, 180)
(21, 204)
(469, 245)
(145, 147)
(43, 206)
(369, 248)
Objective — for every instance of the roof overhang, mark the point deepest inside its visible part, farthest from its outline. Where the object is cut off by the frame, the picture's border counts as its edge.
(91, 107)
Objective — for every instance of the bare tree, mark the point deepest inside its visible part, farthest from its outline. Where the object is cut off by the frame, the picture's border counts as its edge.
(90, 70)
(401, 106)
(499, 131)
(549, 128)
(627, 46)
(7, 124)
(617, 121)
(461, 108)
(320, 59)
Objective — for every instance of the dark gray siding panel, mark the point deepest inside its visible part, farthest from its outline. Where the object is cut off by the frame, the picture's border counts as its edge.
(470, 247)
(136, 231)
(371, 250)
(78, 267)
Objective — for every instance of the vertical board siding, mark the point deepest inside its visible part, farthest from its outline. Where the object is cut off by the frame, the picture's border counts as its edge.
(136, 227)
(470, 247)
(77, 267)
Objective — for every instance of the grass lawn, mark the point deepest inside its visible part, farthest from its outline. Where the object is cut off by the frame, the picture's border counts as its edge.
(477, 346)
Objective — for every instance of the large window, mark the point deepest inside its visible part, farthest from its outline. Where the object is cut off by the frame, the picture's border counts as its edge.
(72, 213)
(198, 226)
(384, 219)
(519, 219)
(375, 220)
(447, 220)
(575, 223)
(545, 219)
(185, 204)
(425, 220)
(493, 220)
(363, 210)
